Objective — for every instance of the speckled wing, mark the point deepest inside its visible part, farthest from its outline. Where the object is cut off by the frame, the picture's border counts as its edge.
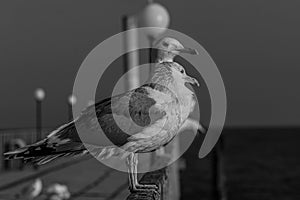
(120, 118)
(165, 102)
(123, 116)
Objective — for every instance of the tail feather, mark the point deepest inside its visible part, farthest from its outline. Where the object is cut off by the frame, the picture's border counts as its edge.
(29, 153)
(18, 153)
(44, 152)
(99, 152)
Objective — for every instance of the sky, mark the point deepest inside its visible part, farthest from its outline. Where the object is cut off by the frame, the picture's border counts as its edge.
(255, 45)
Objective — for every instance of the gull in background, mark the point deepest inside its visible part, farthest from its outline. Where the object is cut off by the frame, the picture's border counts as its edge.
(153, 113)
(31, 191)
(57, 191)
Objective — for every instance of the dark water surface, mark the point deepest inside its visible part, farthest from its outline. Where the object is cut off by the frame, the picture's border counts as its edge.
(260, 164)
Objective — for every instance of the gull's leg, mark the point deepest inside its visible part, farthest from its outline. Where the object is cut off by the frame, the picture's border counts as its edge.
(130, 172)
(132, 175)
(144, 187)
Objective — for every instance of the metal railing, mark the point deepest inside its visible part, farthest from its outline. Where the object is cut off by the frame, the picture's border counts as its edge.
(11, 139)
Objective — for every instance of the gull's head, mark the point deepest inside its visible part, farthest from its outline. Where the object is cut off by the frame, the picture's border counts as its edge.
(169, 47)
(180, 76)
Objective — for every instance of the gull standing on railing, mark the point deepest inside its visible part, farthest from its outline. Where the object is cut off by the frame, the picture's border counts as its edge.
(154, 114)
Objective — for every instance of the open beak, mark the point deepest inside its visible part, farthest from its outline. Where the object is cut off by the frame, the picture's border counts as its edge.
(188, 50)
(191, 80)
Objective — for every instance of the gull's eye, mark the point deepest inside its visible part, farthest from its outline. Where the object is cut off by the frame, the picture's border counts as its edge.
(165, 44)
(182, 71)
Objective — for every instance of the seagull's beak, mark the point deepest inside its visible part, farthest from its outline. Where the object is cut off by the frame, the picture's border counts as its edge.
(188, 50)
(191, 80)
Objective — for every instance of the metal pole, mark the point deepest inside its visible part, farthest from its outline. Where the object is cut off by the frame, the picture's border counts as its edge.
(151, 50)
(222, 176)
(131, 59)
(152, 54)
(215, 175)
(70, 114)
(218, 176)
(125, 57)
(38, 119)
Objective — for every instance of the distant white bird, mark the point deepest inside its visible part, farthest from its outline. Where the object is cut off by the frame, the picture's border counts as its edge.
(153, 114)
(31, 191)
(57, 192)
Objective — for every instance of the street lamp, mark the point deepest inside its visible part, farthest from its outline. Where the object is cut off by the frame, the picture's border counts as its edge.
(156, 16)
(71, 102)
(39, 96)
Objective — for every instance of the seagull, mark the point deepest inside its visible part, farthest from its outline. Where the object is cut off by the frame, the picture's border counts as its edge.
(57, 191)
(153, 113)
(31, 191)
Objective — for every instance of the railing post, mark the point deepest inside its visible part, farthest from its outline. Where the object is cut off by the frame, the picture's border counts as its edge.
(218, 176)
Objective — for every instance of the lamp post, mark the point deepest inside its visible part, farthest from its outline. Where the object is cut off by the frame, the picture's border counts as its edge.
(157, 19)
(131, 59)
(39, 95)
(71, 102)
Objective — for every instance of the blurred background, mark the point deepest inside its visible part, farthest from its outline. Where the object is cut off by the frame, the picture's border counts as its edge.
(255, 45)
